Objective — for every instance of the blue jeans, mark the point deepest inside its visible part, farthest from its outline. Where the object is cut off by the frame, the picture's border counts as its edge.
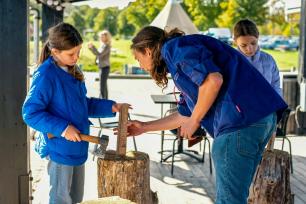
(66, 182)
(236, 156)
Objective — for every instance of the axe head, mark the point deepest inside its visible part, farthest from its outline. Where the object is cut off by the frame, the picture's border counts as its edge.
(101, 149)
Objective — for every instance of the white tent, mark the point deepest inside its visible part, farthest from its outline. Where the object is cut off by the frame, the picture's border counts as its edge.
(173, 15)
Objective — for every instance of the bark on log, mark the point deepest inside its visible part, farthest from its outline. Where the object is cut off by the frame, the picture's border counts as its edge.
(126, 176)
(271, 183)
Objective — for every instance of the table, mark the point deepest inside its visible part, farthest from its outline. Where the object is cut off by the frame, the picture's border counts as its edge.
(171, 99)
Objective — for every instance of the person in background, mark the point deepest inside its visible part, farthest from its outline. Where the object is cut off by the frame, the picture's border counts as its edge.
(221, 92)
(246, 37)
(56, 103)
(102, 59)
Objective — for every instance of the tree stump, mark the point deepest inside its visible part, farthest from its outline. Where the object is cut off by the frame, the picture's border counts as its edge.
(271, 183)
(126, 176)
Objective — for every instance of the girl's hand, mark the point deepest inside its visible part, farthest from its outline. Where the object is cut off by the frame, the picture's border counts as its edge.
(72, 134)
(189, 127)
(117, 107)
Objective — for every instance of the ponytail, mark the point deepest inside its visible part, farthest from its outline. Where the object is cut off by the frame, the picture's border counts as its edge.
(45, 53)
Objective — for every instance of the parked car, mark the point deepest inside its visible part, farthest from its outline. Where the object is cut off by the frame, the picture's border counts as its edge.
(294, 42)
(223, 34)
(278, 44)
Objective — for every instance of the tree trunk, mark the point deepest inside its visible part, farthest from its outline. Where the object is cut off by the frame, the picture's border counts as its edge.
(126, 176)
(271, 184)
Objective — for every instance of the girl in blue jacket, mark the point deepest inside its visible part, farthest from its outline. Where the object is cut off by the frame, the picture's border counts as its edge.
(221, 92)
(246, 37)
(57, 104)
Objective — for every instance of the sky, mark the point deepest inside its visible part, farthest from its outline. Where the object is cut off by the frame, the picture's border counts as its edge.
(105, 3)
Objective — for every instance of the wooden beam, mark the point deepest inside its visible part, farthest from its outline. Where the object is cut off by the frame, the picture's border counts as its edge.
(122, 130)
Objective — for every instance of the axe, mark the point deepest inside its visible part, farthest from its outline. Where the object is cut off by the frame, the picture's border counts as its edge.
(102, 141)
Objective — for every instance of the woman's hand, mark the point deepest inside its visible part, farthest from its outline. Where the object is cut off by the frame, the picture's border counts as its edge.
(72, 134)
(117, 107)
(135, 127)
(90, 45)
(189, 127)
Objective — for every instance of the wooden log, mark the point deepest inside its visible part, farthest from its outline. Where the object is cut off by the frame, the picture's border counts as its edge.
(122, 130)
(126, 176)
(108, 200)
(271, 183)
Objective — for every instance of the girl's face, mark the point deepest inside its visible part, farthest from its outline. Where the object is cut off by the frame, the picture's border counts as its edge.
(144, 59)
(247, 44)
(67, 57)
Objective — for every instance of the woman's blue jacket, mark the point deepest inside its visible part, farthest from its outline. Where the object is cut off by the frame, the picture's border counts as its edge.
(245, 96)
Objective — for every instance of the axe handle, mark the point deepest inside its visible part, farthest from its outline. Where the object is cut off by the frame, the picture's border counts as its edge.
(87, 138)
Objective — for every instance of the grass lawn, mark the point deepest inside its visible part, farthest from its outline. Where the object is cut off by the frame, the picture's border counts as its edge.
(121, 55)
(285, 60)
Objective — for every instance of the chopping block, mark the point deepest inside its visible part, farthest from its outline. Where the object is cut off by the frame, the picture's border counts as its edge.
(125, 174)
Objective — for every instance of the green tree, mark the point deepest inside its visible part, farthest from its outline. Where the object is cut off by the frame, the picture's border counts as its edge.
(90, 16)
(227, 18)
(257, 10)
(204, 13)
(76, 18)
(142, 12)
(123, 26)
(106, 19)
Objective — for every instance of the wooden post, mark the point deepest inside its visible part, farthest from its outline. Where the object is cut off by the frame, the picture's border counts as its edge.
(125, 174)
(271, 184)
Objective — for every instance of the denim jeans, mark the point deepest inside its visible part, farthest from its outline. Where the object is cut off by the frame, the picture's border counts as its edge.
(236, 156)
(66, 183)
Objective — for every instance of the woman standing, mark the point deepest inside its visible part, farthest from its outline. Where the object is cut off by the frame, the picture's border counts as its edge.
(102, 59)
(221, 92)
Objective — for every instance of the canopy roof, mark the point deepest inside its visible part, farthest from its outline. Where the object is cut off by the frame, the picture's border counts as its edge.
(173, 15)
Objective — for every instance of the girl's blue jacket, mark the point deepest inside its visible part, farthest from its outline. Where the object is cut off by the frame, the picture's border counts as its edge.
(245, 96)
(55, 100)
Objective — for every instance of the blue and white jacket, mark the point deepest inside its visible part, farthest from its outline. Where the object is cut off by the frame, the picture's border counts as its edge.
(266, 65)
(55, 100)
(245, 96)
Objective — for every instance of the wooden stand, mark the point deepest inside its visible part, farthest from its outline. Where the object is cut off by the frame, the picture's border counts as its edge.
(271, 184)
(125, 174)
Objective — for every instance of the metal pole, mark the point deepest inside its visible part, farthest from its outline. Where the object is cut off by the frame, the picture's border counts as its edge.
(36, 14)
(302, 57)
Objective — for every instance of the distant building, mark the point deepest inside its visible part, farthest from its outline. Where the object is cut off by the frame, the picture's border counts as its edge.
(292, 7)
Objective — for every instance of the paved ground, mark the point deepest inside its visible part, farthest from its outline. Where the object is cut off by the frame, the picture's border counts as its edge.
(191, 183)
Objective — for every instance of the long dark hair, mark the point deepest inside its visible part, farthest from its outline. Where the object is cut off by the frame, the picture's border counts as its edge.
(245, 27)
(63, 36)
(153, 38)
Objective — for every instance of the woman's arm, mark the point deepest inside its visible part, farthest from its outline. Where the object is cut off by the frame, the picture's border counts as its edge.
(170, 122)
(208, 93)
(105, 51)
